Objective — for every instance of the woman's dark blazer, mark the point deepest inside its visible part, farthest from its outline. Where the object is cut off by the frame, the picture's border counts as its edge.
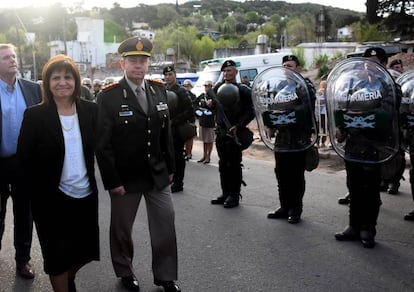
(41, 148)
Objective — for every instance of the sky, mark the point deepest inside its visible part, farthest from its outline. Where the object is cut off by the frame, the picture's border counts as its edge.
(356, 5)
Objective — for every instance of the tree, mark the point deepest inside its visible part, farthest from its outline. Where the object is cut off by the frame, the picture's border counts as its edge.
(372, 8)
(300, 29)
(203, 49)
(252, 17)
(166, 15)
(178, 37)
(402, 7)
(397, 17)
(364, 32)
(113, 32)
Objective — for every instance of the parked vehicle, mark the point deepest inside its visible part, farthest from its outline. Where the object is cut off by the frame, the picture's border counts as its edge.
(249, 66)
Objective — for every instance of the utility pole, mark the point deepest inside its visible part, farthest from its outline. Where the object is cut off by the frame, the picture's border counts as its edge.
(33, 47)
(19, 50)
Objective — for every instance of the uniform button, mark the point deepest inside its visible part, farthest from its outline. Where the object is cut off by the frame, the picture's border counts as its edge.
(126, 122)
(149, 143)
(149, 132)
(149, 155)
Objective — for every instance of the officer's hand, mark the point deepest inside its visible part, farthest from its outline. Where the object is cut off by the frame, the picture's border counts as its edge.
(171, 176)
(118, 191)
(232, 131)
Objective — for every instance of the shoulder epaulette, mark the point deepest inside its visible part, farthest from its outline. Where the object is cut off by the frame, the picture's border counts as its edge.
(156, 81)
(109, 86)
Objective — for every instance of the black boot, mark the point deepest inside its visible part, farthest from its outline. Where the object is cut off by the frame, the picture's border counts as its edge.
(393, 189)
(219, 200)
(232, 201)
(409, 216)
(344, 200)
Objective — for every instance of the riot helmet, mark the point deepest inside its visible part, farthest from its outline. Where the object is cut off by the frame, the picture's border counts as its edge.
(228, 95)
(172, 100)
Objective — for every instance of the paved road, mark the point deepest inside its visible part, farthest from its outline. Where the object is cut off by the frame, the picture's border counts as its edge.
(241, 250)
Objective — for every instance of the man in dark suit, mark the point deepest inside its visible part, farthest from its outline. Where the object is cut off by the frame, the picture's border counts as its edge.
(136, 159)
(15, 96)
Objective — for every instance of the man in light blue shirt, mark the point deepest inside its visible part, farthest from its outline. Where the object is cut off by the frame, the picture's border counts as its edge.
(15, 96)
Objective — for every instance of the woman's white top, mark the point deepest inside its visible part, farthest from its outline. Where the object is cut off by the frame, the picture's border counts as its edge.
(74, 181)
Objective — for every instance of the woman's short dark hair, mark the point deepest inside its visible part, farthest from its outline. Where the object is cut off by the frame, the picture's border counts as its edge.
(60, 63)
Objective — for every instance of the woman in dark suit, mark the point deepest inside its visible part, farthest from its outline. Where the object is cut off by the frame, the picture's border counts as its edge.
(56, 149)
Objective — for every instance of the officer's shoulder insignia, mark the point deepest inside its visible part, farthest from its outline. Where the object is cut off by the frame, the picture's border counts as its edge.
(110, 86)
(156, 82)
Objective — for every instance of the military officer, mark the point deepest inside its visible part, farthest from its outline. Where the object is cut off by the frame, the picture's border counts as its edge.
(136, 159)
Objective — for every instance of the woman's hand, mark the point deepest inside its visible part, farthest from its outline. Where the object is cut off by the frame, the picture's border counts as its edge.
(118, 191)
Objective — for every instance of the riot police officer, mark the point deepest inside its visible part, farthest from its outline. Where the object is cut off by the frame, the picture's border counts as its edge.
(292, 140)
(181, 113)
(392, 171)
(234, 111)
(406, 81)
(364, 131)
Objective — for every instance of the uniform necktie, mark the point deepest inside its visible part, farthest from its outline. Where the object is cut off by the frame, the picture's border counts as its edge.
(142, 99)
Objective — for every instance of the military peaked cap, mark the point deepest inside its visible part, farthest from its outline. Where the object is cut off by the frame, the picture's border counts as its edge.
(375, 52)
(288, 58)
(168, 69)
(135, 46)
(228, 63)
(396, 62)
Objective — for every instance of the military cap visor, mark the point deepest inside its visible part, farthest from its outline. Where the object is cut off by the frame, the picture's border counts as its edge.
(135, 46)
(228, 63)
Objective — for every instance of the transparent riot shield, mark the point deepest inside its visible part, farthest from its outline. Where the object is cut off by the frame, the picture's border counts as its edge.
(284, 110)
(406, 81)
(362, 110)
(394, 73)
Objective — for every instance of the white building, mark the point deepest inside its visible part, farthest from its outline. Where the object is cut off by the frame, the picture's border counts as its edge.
(344, 33)
(89, 49)
(331, 49)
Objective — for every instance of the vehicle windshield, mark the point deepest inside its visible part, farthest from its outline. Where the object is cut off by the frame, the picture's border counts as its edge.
(205, 76)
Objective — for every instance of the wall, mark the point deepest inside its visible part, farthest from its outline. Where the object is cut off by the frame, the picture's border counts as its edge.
(313, 50)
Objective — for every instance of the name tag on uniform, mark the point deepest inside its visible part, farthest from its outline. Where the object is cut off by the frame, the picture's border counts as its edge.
(126, 114)
(162, 107)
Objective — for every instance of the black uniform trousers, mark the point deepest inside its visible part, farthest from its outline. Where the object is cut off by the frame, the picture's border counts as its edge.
(412, 171)
(290, 175)
(230, 158)
(363, 182)
(397, 166)
(178, 178)
(12, 185)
